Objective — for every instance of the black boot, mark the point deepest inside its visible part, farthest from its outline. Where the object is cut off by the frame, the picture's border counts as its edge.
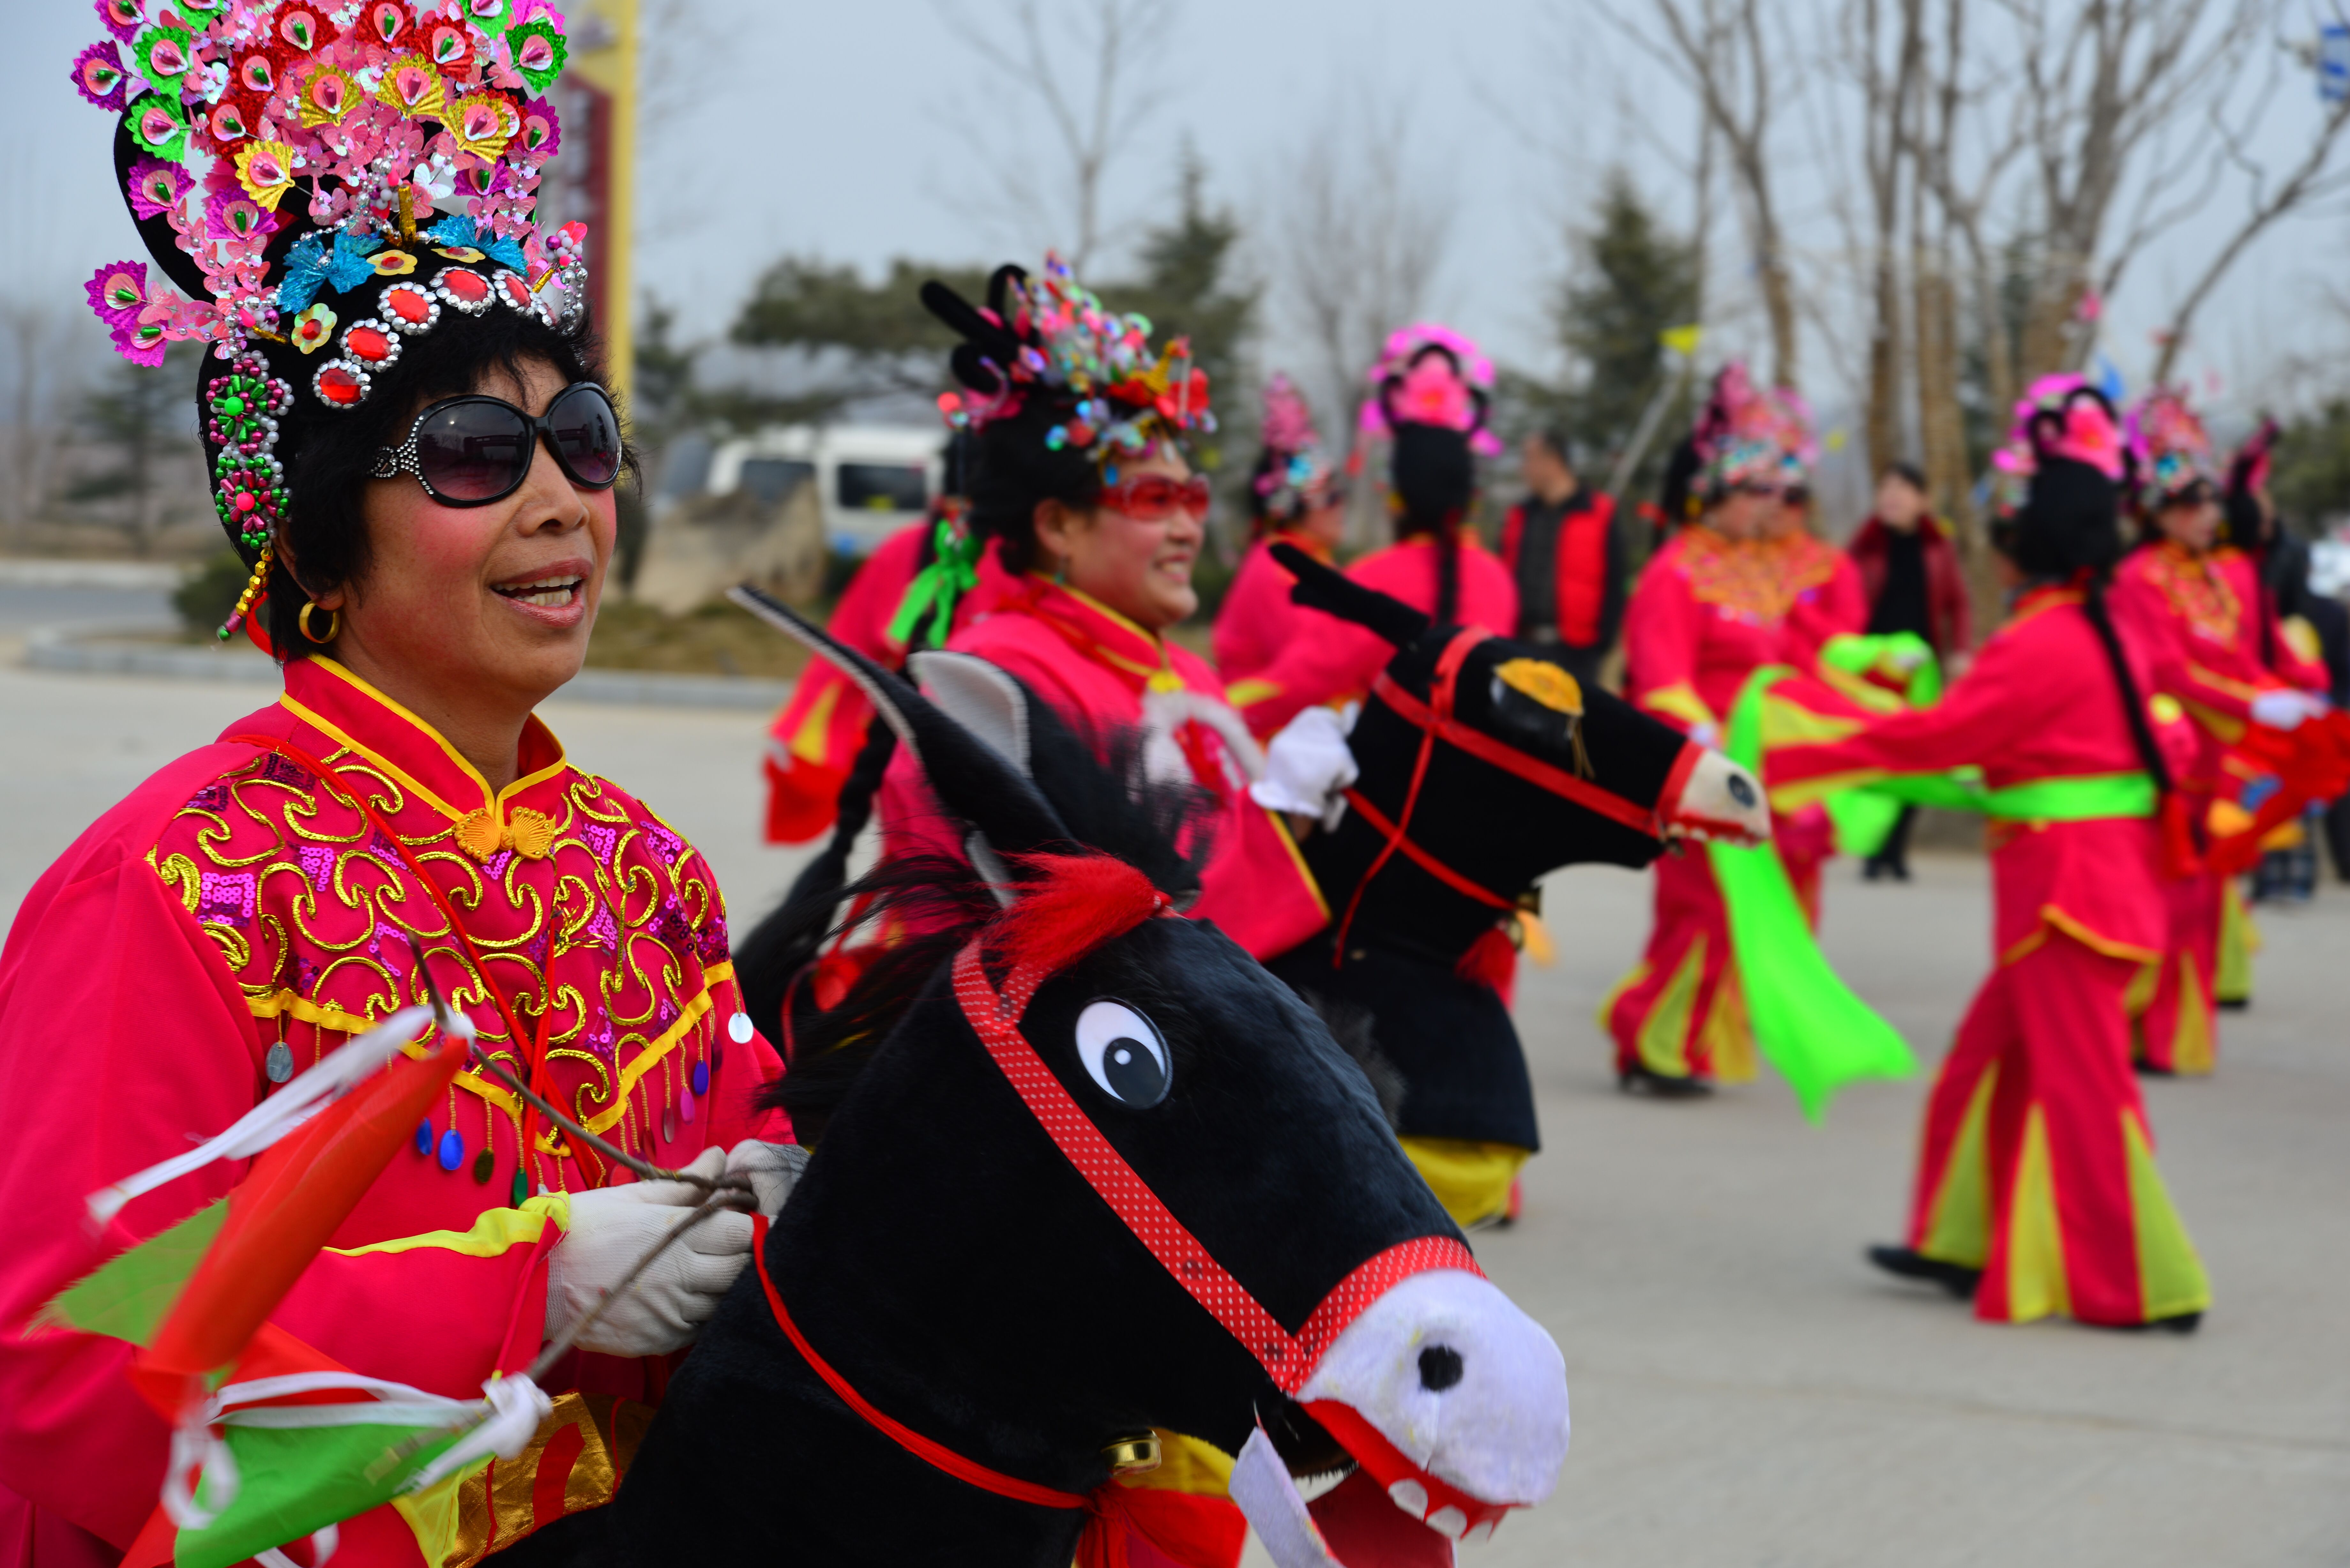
(1955, 1278)
(1642, 1078)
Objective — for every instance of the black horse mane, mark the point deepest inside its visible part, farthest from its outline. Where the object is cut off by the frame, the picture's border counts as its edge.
(937, 904)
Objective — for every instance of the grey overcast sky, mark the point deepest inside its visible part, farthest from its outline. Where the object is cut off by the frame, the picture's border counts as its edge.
(833, 130)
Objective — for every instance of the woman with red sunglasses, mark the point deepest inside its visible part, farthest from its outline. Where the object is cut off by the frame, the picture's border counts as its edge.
(414, 454)
(1080, 478)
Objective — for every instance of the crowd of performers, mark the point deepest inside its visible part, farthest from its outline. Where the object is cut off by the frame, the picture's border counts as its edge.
(2127, 728)
(412, 449)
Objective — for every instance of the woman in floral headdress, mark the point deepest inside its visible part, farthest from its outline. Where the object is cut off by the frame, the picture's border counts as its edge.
(1294, 498)
(2036, 1190)
(2205, 599)
(411, 447)
(1081, 482)
(1710, 608)
(1430, 390)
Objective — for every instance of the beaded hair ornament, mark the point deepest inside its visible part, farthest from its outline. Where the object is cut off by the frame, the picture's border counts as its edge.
(1431, 375)
(278, 156)
(1297, 475)
(2169, 449)
(1048, 338)
(2059, 416)
(1750, 436)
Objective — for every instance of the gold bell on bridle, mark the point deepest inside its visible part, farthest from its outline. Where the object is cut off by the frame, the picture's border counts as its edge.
(1133, 1456)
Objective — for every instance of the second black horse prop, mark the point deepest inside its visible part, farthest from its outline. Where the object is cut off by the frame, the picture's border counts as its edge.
(1485, 765)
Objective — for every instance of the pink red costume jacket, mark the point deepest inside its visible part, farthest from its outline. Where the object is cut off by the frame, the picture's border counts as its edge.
(1257, 621)
(1587, 575)
(232, 904)
(1101, 672)
(1339, 660)
(814, 742)
(2037, 1165)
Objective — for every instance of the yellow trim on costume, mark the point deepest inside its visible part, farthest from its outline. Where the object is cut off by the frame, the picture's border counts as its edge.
(2170, 1277)
(494, 1231)
(327, 1015)
(807, 741)
(2191, 1046)
(2092, 940)
(1793, 724)
(2242, 691)
(1679, 701)
(647, 1060)
(1800, 793)
(2222, 725)
(1958, 1227)
(1166, 666)
(1727, 1037)
(1861, 690)
(2037, 1284)
(1297, 859)
(1663, 1043)
(1248, 690)
(2239, 938)
(2302, 638)
(1469, 1175)
(493, 801)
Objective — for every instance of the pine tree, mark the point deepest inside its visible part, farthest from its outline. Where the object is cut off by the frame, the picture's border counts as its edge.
(138, 418)
(1633, 280)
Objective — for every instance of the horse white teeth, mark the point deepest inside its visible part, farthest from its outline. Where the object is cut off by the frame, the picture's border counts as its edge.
(1412, 1498)
(1482, 1533)
(1451, 1520)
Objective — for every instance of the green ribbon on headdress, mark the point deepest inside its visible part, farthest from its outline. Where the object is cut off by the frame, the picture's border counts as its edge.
(954, 572)
(1805, 1019)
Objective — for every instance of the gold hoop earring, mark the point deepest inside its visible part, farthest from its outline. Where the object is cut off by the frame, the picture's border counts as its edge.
(334, 624)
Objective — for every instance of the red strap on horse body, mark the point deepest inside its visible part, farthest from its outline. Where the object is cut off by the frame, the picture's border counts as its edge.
(1486, 749)
(936, 1454)
(1289, 1359)
(1421, 857)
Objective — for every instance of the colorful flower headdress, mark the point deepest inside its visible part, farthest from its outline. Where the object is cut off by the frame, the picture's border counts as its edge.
(1746, 436)
(1048, 338)
(1431, 375)
(278, 154)
(276, 151)
(2171, 450)
(2060, 416)
(1295, 474)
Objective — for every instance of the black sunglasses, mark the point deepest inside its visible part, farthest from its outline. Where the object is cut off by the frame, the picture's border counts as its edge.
(473, 449)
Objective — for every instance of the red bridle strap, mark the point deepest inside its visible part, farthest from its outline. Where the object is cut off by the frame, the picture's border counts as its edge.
(1421, 857)
(935, 1454)
(1486, 749)
(1289, 1359)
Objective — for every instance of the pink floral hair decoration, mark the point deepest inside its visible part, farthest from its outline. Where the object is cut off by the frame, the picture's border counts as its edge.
(392, 125)
(1295, 474)
(1749, 435)
(1430, 375)
(2171, 448)
(2062, 415)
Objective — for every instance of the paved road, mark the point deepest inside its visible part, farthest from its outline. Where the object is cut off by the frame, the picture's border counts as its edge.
(1746, 1394)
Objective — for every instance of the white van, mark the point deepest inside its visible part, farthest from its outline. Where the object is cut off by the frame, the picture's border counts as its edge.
(872, 480)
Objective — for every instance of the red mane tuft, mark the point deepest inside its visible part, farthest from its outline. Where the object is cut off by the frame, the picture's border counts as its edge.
(1068, 906)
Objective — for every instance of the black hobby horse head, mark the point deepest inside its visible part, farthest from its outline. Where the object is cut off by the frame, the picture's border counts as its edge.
(1093, 1174)
(1526, 769)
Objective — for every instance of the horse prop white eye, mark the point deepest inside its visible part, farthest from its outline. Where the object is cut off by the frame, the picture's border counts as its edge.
(1123, 1050)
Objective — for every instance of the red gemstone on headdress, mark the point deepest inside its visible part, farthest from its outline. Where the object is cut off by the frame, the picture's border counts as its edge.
(517, 292)
(408, 303)
(368, 344)
(467, 286)
(340, 386)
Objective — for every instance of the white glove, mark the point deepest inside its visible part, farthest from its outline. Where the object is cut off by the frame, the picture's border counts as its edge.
(1307, 766)
(612, 1228)
(1706, 735)
(2284, 708)
(773, 1169)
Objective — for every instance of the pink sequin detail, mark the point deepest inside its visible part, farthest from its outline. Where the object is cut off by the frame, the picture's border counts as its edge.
(226, 896)
(317, 865)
